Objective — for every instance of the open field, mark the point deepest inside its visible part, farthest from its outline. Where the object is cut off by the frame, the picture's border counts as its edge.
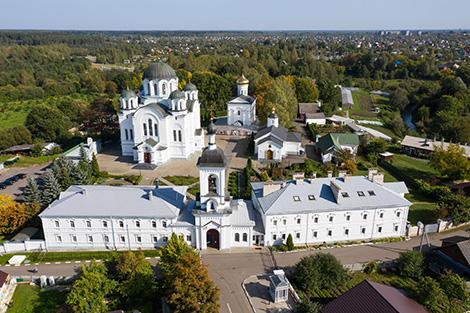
(25, 161)
(363, 105)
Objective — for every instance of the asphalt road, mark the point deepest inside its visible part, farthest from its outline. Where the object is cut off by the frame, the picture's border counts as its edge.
(16, 189)
(228, 270)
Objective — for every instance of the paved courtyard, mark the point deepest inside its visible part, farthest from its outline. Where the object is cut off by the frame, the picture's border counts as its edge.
(257, 288)
(16, 189)
(110, 160)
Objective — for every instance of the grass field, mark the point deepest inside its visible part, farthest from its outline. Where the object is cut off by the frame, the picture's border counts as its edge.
(31, 299)
(182, 180)
(363, 105)
(70, 256)
(25, 161)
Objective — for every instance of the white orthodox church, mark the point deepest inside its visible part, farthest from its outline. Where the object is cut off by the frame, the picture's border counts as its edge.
(241, 110)
(162, 122)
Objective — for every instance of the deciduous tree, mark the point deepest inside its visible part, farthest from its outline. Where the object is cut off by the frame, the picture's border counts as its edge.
(12, 214)
(450, 162)
(411, 264)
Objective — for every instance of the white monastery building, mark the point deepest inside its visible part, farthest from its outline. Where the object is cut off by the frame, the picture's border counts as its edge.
(241, 110)
(275, 142)
(313, 211)
(162, 122)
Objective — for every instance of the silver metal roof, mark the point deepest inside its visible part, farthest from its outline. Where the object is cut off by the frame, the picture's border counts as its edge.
(125, 201)
(282, 200)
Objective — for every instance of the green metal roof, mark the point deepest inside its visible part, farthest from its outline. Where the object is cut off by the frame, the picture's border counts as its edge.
(336, 140)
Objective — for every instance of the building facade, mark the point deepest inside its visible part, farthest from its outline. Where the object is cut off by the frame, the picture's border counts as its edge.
(161, 122)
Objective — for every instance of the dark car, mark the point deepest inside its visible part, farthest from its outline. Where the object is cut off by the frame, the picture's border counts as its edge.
(21, 175)
(3, 186)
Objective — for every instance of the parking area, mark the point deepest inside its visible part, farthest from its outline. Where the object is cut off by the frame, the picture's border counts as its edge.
(15, 188)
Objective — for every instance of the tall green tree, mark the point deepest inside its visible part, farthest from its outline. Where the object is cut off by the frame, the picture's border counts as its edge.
(281, 97)
(31, 192)
(321, 270)
(411, 264)
(90, 292)
(51, 188)
(171, 253)
(95, 167)
(39, 123)
(305, 89)
(450, 162)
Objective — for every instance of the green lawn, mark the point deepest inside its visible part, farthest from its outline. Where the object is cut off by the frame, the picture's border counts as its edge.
(11, 119)
(70, 256)
(25, 161)
(363, 105)
(182, 180)
(413, 167)
(31, 299)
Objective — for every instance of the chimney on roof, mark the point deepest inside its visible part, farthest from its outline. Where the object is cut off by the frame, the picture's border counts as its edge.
(330, 174)
(298, 178)
(342, 173)
(150, 194)
(371, 172)
(269, 188)
(336, 190)
(375, 176)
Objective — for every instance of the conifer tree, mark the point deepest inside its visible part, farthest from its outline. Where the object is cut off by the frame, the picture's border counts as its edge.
(31, 192)
(63, 169)
(51, 188)
(95, 168)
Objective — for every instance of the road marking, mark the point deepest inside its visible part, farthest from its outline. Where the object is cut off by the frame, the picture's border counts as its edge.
(68, 262)
(87, 261)
(98, 261)
(7, 265)
(57, 262)
(47, 263)
(147, 258)
(77, 262)
(229, 309)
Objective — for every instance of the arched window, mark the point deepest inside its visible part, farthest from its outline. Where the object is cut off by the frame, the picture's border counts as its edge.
(213, 184)
(150, 128)
(155, 89)
(237, 237)
(127, 134)
(245, 237)
(163, 89)
(145, 129)
(155, 129)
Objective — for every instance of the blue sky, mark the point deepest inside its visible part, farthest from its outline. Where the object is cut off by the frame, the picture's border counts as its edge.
(234, 14)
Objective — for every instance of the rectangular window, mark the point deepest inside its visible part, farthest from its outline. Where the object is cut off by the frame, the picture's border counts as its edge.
(88, 224)
(395, 228)
(296, 198)
(379, 229)
(398, 214)
(122, 238)
(90, 238)
(364, 216)
(138, 239)
(56, 223)
(348, 217)
(155, 239)
(361, 194)
(154, 224)
(330, 233)
(274, 237)
(74, 238)
(188, 237)
(131, 133)
(127, 134)
(121, 224)
(297, 235)
(106, 238)
(345, 194)
(284, 222)
(58, 238)
(180, 137)
(315, 220)
(331, 218)
(137, 224)
(346, 231)
(165, 238)
(363, 230)
(299, 221)
(164, 224)
(283, 236)
(105, 224)
(72, 224)
(155, 130)
(275, 222)
(174, 136)
(315, 234)
(145, 129)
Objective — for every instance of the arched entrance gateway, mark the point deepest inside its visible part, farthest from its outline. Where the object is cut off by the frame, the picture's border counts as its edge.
(269, 154)
(213, 239)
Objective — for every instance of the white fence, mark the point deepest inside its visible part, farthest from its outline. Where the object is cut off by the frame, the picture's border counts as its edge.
(437, 227)
(28, 245)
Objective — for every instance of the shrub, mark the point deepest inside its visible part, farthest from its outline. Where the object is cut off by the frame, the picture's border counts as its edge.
(371, 268)
(290, 243)
(411, 264)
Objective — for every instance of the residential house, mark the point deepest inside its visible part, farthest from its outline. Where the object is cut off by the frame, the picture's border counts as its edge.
(329, 144)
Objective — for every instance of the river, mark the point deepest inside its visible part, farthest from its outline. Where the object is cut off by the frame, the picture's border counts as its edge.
(408, 117)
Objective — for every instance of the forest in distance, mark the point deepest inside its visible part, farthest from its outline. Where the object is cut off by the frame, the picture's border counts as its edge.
(76, 77)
